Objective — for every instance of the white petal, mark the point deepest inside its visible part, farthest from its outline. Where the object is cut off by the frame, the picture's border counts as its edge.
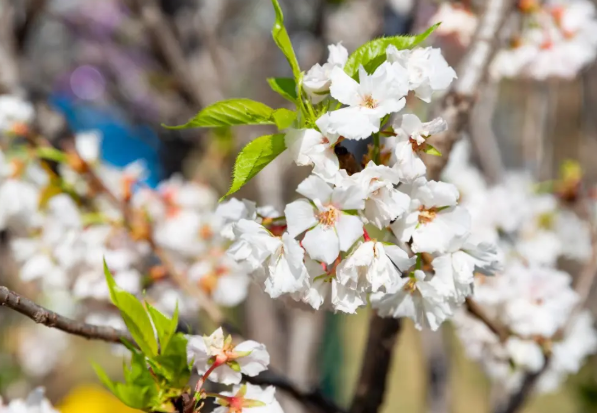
(353, 123)
(344, 89)
(254, 363)
(350, 229)
(300, 216)
(300, 143)
(313, 187)
(322, 244)
(347, 300)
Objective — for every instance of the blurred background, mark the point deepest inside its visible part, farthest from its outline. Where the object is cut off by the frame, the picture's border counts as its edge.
(124, 67)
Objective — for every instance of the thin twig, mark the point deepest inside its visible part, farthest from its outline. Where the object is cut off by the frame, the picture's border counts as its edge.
(477, 311)
(41, 315)
(167, 48)
(458, 103)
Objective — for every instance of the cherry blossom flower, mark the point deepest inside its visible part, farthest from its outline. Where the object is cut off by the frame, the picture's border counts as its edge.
(312, 147)
(434, 222)
(416, 298)
(373, 266)
(370, 100)
(230, 361)
(35, 403)
(14, 112)
(384, 203)
(330, 228)
(411, 136)
(248, 398)
(317, 80)
(427, 70)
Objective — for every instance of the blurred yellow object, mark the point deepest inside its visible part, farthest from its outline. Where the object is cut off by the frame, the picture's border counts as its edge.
(89, 398)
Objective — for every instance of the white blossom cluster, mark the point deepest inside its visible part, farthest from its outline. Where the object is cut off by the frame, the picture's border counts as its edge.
(62, 225)
(420, 262)
(35, 403)
(553, 38)
(217, 359)
(531, 297)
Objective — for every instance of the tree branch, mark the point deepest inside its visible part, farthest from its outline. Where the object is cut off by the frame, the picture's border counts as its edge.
(51, 319)
(371, 387)
(167, 48)
(48, 318)
(475, 310)
(458, 103)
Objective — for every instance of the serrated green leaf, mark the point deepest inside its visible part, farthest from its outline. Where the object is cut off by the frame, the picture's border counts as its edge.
(138, 371)
(284, 118)
(372, 54)
(51, 154)
(134, 315)
(282, 39)
(284, 86)
(103, 376)
(166, 327)
(254, 157)
(230, 112)
(431, 150)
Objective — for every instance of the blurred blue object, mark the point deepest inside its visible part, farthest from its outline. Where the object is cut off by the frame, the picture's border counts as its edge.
(122, 141)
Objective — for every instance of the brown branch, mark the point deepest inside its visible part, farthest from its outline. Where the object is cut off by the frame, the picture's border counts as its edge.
(371, 387)
(32, 11)
(517, 400)
(51, 319)
(167, 48)
(477, 311)
(458, 103)
(48, 318)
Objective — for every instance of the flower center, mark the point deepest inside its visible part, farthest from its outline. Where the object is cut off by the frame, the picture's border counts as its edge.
(416, 145)
(369, 102)
(329, 217)
(411, 286)
(427, 215)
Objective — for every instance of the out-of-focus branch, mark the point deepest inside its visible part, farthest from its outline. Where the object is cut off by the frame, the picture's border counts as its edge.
(167, 48)
(457, 105)
(9, 64)
(371, 386)
(48, 318)
(33, 9)
(313, 398)
(475, 310)
(51, 319)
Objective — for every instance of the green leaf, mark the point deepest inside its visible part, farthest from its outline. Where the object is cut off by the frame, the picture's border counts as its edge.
(134, 315)
(230, 112)
(131, 394)
(51, 154)
(431, 150)
(372, 54)
(254, 157)
(165, 326)
(285, 86)
(234, 365)
(103, 376)
(284, 118)
(281, 38)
